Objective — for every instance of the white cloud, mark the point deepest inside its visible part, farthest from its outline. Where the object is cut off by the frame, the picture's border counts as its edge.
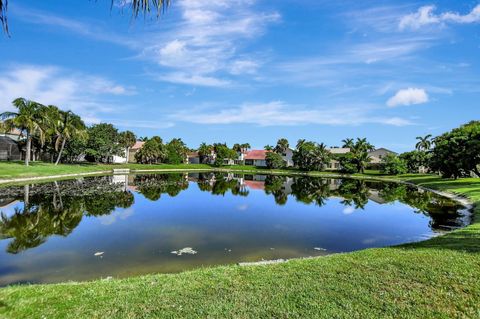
(244, 67)
(278, 113)
(408, 96)
(82, 93)
(115, 216)
(425, 16)
(192, 79)
(206, 43)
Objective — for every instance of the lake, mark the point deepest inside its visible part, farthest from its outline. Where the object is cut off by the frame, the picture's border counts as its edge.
(125, 225)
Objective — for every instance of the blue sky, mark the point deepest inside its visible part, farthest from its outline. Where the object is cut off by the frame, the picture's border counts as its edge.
(252, 70)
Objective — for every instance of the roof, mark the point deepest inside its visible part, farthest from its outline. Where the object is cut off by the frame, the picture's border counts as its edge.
(7, 140)
(193, 154)
(339, 150)
(138, 145)
(14, 131)
(383, 149)
(255, 185)
(256, 155)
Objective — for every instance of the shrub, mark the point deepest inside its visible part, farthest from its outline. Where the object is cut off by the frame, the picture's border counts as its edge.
(393, 165)
(274, 160)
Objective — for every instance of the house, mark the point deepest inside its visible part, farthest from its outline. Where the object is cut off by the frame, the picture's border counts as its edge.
(133, 150)
(256, 158)
(288, 157)
(14, 134)
(337, 152)
(377, 155)
(9, 149)
(193, 158)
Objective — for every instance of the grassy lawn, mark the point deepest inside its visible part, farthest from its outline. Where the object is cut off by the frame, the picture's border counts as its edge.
(438, 278)
(37, 169)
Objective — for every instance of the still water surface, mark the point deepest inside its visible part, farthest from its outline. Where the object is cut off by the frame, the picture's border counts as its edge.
(127, 225)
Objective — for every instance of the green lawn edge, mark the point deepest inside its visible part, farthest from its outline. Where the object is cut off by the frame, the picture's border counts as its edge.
(437, 278)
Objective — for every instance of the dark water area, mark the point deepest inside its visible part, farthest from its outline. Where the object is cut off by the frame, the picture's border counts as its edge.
(125, 225)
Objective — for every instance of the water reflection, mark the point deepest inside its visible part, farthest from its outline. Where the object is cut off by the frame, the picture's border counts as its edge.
(58, 208)
(292, 214)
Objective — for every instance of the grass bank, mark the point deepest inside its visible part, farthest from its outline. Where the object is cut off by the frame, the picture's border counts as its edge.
(437, 278)
(9, 170)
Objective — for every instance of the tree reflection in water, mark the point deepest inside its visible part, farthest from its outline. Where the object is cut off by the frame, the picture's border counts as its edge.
(58, 208)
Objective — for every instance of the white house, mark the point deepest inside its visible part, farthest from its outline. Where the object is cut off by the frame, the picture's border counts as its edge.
(256, 158)
(334, 162)
(131, 154)
(377, 155)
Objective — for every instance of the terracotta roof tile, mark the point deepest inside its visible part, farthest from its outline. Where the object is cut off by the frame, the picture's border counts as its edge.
(256, 155)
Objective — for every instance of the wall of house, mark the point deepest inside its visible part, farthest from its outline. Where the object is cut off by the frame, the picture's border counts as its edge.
(131, 156)
(377, 155)
(9, 150)
(194, 160)
(288, 158)
(260, 163)
(119, 159)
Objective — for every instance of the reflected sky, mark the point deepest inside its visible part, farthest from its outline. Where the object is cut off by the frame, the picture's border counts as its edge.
(127, 225)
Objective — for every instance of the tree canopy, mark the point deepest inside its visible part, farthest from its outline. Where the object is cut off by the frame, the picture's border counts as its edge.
(457, 153)
(311, 156)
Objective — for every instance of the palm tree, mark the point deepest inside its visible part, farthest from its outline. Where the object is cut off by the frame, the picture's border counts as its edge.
(69, 126)
(268, 147)
(282, 146)
(137, 7)
(27, 119)
(347, 143)
(300, 142)
(360, 151)
(3, 15)
(127, 140)
(424, 143)
(205, 151)
(245, 147)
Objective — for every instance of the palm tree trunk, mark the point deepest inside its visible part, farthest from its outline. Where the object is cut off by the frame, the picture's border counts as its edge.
(29, 147)
(127, 151)
(26, 196)
(61, 151)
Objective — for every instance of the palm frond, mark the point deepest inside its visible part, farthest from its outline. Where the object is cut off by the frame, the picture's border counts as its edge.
(3, 15)
(145, 7)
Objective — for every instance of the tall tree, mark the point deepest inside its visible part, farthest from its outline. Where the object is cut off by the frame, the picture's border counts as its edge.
(457, 153)
(282, 146)
(347, 143)
(69, 126)
(300, 142)
(103, 142)
(245, 147)
(127, 140)
(237, 147)
(424, 142)
(152, 152)
(27, 119)
(176, 151)
(357, 159)
(311, 156)
(268, 147)
(205, 152)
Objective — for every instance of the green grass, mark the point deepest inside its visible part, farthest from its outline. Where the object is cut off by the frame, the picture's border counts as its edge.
(10, 170)
(438, 278)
